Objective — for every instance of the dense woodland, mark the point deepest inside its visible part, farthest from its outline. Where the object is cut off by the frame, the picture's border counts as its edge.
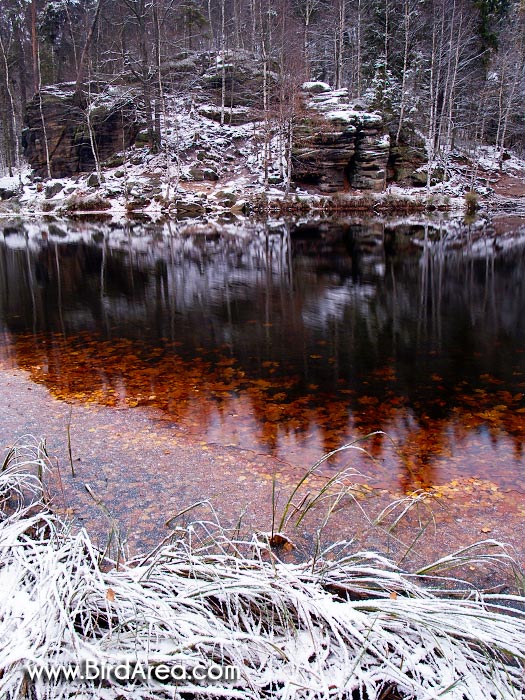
(450, 72)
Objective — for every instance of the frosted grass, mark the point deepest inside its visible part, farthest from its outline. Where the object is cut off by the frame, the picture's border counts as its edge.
(355, 627)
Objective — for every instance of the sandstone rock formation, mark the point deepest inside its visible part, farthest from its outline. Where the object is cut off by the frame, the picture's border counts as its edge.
(404, 165)
(243, 79)
(339, 147)
(58, 117)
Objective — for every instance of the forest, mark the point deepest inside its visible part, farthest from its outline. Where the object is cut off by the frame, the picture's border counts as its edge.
(449, 74)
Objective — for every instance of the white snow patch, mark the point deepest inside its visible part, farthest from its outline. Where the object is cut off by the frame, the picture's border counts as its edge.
(316, 86)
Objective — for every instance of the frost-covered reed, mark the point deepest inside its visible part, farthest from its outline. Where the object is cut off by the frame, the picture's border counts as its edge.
(353, 627)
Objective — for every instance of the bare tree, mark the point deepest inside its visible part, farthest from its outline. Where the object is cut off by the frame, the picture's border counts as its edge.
(339, 42)
(11, 126)
(87, 46)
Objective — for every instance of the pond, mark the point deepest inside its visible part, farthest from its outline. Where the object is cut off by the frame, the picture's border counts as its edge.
(288, 339)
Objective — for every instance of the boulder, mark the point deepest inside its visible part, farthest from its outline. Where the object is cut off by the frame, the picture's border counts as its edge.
(114, 161)
(53, 188)
(7, 191)
(316, 87)
(182, 64)
(93, 180)
(226, 199)
(200, 174)
(57, 116)
(189, 209)
(235, 116)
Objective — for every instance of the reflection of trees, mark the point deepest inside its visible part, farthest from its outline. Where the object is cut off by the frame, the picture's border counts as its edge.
(329, 331)
(61, 283)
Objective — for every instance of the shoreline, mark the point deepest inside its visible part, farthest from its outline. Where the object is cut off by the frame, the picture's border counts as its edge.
(263, 205)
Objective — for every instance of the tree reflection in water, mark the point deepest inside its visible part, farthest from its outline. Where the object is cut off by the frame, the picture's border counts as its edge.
(289, 339)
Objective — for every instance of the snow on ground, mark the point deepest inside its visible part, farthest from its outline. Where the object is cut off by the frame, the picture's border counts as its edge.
(494, 160)
(200, 160)
(205, 167)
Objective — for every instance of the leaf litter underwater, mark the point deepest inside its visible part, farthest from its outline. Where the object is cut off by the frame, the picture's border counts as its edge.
(226, 395)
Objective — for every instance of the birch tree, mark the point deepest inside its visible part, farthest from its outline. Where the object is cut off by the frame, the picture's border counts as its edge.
(340, 27)
(12, 142)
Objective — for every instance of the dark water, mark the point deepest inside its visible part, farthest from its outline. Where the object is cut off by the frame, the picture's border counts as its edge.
(289, 339)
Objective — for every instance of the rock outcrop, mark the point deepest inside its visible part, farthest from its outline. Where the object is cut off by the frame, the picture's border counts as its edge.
(58, 117)
(405, 165)
(243, 77)
(322, 154)
(339, 147)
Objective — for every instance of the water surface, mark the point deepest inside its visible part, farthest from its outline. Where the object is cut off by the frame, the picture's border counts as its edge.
(288, 339)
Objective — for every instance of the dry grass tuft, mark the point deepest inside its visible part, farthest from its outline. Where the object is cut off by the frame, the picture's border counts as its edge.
(352, 628)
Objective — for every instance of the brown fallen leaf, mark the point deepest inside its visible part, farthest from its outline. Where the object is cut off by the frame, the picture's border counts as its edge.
(280, 540)
(110, 595)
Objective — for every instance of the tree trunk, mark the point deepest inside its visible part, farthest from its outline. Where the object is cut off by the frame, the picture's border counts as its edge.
(34, 47)
(13, 144)
(91, 131)
(339, 43)
(223, 64)
(21, 62)
(87, 45)
(405, 65)
(359, 49)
